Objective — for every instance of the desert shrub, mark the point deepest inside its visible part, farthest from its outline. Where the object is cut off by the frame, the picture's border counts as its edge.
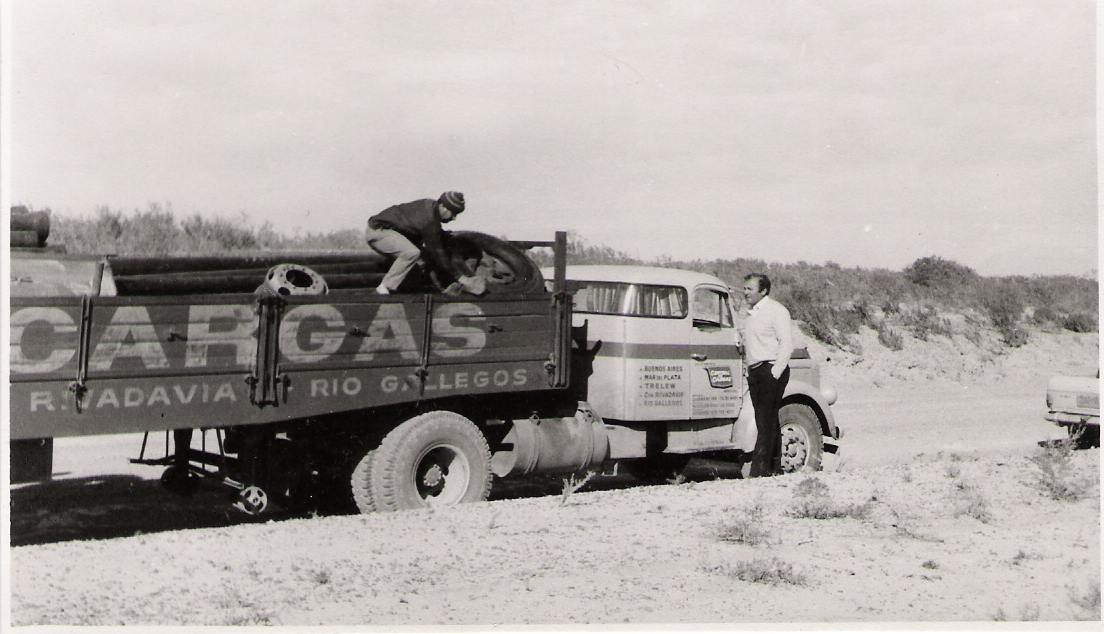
(156, 231)
(1062, 293)
(811, 487)
(925, 321)
(773, 571)
(1080, 322)
(227, 235)
(824, 322)
(573, 483)
(1002, 301)
(889, 337)
(812, 501)
(1042, 315)
(1057, 476)
(747, 528)
(935, 272)
(1014, 337)
(971, 502)
(865, 312)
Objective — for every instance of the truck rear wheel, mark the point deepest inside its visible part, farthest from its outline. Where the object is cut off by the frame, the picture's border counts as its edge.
(435, 459)
(361, 483)
(802, 442)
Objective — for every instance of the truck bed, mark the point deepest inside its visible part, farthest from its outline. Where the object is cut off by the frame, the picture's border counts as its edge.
(102, 365)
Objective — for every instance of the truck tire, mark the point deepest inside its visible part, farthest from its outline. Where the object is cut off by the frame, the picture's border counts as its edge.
(505, 267)
(657, 469)
(361, 483)
(802, 442)
(438, 458)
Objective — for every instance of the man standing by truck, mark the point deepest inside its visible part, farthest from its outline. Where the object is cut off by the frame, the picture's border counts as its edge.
(768, 345)
(403, 231)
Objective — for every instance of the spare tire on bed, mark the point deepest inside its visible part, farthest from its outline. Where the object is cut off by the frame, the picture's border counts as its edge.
(505, 267)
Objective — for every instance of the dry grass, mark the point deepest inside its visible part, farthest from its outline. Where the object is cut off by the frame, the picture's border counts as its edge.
(748, 528)
(572, 484)
(771, 571)
(811, 500)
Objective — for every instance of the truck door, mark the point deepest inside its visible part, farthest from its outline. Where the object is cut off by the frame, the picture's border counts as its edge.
(715, 373)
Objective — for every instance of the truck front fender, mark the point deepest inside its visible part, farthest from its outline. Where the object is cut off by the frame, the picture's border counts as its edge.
(798, 391)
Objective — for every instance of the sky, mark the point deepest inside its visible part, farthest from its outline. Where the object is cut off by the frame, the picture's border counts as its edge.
(862, 132)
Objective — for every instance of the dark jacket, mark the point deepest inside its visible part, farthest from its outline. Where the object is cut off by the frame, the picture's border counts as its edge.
(419, 223)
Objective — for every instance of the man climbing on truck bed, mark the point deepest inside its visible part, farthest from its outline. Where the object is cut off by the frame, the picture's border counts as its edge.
(403, 231)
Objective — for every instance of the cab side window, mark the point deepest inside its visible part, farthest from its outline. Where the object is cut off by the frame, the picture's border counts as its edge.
(710, 307)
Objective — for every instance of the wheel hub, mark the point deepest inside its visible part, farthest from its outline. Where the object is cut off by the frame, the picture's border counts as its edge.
(442, 475)
(433, 476)
(794, 450)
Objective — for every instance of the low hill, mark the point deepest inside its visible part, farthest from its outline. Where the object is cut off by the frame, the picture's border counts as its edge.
(936, 320)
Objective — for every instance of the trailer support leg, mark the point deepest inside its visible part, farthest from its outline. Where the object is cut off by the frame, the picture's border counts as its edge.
(178, 477)
(252, 499)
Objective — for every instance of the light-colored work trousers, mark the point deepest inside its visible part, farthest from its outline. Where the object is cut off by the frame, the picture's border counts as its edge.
(391, 243)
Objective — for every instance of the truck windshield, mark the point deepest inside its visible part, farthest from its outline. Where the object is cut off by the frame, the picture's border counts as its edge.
(633, 300)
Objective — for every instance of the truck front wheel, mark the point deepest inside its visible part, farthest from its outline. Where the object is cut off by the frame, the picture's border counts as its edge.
(802, 443)
(435, 459)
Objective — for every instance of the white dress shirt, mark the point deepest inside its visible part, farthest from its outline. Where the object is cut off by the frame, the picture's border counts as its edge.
(768, 334)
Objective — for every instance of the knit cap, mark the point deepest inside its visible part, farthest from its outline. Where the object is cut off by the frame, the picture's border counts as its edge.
(453, 200)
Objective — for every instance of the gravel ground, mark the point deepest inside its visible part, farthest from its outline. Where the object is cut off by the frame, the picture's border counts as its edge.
(940, 512)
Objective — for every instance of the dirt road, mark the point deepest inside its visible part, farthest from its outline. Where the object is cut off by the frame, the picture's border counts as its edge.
(97, 493)
(964, 532)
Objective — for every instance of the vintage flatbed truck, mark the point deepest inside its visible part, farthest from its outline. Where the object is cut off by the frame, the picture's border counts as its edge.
(398, 401)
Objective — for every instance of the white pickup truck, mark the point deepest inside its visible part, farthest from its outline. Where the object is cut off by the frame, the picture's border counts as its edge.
(1073, 402)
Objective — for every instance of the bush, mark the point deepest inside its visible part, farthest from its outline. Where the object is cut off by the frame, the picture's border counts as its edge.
(1014, 337)
(1080, 322)
(747, 528)
(812, 501)
(1057, 476)
(155, 231)
(889, 337)
(1043, 315)
(923, 322)
(773, 571)
(935, 272)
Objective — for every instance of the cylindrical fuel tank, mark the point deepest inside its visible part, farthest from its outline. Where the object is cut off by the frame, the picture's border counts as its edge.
(552, 445)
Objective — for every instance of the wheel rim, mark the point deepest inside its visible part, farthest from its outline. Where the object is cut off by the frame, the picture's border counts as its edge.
(500, 271)
(795, 448)
(441, 475)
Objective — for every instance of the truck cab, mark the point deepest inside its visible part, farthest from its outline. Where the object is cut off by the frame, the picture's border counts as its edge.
(657, 358)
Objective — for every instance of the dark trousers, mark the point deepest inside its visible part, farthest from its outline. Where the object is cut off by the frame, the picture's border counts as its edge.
(766, 397)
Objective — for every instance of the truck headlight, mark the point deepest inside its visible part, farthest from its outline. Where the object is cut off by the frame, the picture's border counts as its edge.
(829, 394)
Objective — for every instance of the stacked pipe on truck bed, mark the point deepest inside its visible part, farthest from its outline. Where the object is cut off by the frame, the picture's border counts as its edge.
(29, 228)
(174, 275)
(504, 265)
